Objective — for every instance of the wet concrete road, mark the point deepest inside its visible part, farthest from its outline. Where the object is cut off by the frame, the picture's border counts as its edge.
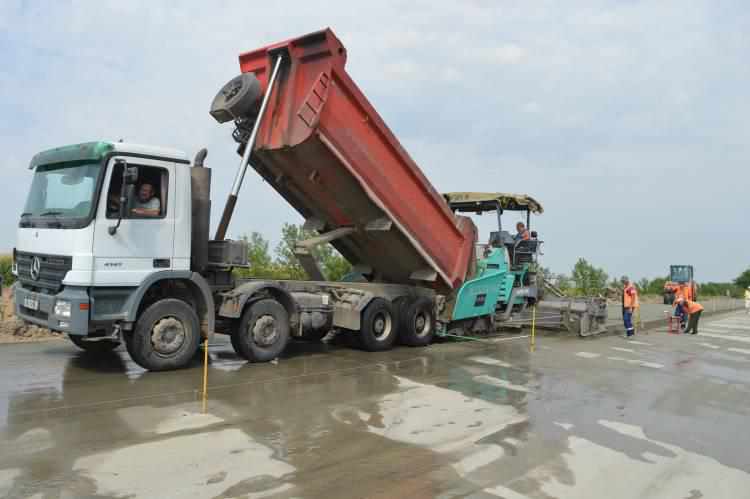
(656, 311)
(664, 416)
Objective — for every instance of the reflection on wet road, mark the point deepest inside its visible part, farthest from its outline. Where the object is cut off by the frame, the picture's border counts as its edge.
(661, 416)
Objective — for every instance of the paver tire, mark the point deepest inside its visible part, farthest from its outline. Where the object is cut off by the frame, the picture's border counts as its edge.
(263, 331)
(378, 326)
(96, 347)
(417, 322)
(166, 336)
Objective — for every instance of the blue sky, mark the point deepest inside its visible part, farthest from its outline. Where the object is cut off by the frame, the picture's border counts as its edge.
(628, 120)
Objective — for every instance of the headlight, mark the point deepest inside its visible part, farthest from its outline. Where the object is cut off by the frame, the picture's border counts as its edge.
(62, 308)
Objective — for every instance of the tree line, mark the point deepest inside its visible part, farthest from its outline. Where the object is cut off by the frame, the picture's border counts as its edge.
(282, 263)
(588, 280)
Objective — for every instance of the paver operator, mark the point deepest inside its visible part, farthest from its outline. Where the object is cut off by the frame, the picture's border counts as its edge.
(522, 233)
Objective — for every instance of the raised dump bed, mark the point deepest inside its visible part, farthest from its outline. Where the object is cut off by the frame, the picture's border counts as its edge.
(327, 151)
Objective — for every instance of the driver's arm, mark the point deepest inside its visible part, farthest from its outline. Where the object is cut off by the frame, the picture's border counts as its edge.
(151, 209)
(148, 212)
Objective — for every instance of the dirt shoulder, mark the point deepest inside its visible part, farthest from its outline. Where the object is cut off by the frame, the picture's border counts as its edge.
(13, 330)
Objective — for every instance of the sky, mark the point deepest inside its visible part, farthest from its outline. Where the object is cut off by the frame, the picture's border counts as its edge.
(628, 120)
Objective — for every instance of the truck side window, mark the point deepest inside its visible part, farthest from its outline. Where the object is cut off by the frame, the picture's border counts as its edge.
(147, 199)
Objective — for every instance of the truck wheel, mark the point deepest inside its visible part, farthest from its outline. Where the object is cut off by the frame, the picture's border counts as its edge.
(166, 336)
(417, 323)
(378, 327)
(263, 332)
(98, 347)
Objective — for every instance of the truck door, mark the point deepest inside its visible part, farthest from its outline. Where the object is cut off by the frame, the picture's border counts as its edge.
(144, 241)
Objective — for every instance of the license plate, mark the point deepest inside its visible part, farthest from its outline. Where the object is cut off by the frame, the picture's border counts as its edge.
(31, 303)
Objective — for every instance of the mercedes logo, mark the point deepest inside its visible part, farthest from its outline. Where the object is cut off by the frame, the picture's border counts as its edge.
(36, 266)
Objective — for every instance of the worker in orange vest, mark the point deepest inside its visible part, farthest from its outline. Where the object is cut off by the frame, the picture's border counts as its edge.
(629, 304)
(694, 309)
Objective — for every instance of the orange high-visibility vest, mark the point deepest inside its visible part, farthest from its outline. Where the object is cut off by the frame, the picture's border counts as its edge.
(630, 297)
(692, 306)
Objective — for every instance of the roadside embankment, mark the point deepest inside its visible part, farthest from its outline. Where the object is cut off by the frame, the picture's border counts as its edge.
(13, 330)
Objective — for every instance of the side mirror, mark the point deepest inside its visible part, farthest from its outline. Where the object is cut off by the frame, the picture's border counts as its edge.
(129, 179)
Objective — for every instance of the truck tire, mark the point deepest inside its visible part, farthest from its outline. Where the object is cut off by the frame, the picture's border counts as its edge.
(166, 336)
(417, 323)
(378, 326)
(263, 332)
(96, 347)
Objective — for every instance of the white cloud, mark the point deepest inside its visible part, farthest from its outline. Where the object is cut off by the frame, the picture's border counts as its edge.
(504, 54)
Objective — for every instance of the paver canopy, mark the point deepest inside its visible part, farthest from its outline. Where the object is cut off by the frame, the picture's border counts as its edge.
(486, 201)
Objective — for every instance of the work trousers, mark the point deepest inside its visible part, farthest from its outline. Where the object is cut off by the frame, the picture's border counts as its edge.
(680, 312)
(693, 322)
(627, 318)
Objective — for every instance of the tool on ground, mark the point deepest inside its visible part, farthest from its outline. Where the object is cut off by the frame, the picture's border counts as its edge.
(533, 328)
(205, 374)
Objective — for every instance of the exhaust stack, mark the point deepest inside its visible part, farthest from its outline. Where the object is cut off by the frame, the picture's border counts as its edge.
(200, 188)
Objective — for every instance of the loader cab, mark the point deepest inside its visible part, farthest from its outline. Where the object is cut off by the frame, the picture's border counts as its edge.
(681, 273)
(681, 281)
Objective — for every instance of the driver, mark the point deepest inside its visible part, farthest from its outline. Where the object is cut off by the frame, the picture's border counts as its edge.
(146, 204)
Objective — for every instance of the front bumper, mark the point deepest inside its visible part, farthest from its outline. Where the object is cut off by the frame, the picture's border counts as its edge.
(44, 315)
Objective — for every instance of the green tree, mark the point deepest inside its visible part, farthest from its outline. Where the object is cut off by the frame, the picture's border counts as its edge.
(333, 265)
(643, 285)
(656, 286)
(564, 283)
(589, 280)
(743, 280)
(719, 289)
(287, 262)
(259, 258)
(6, 265)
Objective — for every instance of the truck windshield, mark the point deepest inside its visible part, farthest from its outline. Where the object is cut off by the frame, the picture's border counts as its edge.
(62, 195)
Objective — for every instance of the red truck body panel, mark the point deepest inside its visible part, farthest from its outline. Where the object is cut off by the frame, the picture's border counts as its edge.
(328, 152)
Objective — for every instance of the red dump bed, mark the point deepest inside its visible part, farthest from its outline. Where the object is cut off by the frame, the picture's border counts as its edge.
(326, 150)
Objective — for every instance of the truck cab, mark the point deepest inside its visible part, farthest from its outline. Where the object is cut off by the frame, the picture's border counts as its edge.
(86, 254)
